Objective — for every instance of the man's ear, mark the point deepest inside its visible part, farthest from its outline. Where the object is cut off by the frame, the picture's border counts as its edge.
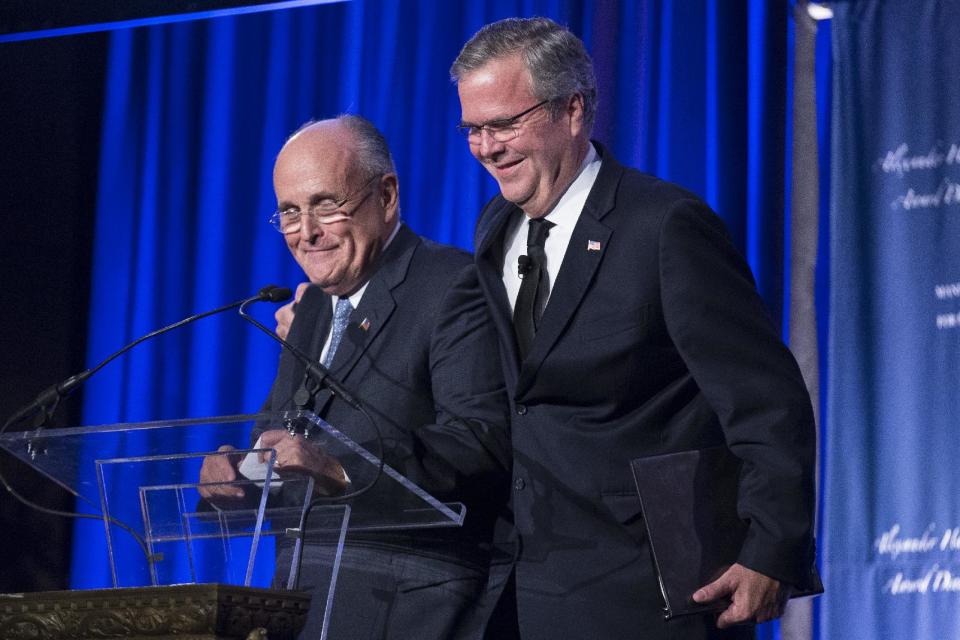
(389, 194)
(575, 113)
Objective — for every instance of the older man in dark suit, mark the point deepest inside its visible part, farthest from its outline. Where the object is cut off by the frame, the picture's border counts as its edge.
(401, 322)
(629, 325)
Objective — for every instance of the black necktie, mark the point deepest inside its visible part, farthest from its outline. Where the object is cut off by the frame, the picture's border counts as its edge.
(533, 289)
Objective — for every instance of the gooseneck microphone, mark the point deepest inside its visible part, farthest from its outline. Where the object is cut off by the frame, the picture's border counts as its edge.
(46, 403)
(319, 373)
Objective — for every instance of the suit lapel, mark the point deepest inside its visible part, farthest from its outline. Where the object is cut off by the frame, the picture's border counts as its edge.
(580, 262)
(490, 267)
(377, 304)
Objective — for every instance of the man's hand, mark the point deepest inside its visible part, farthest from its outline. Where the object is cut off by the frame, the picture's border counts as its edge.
(220, 469)
(284, 314)
(295, 455)
(754, 597)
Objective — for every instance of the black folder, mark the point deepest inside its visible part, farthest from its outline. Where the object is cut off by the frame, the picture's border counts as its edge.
(689, 503)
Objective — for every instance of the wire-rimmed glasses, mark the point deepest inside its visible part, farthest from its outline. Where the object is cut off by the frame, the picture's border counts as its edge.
(324, 212)
(502, 130)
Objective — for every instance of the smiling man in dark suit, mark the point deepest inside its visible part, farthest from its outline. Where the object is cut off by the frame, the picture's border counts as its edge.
(401, 322)
(629, 325)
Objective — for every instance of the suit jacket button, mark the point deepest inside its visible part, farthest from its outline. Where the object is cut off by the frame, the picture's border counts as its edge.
(519, 484)
(521, 409)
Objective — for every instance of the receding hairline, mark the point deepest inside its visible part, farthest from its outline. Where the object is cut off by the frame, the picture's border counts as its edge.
(327, 127)
(314, 127)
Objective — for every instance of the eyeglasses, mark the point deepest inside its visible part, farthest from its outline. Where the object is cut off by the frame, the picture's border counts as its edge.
(502, 130)
(326, 211)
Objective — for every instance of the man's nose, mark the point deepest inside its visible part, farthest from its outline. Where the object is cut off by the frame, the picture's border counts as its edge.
(488, 145)
(310, 227)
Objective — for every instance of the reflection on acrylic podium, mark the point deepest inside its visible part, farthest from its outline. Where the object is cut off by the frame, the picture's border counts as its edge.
(184, 565)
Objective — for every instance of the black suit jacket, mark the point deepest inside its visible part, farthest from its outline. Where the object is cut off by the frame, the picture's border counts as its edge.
(654, 340)
(420, 354)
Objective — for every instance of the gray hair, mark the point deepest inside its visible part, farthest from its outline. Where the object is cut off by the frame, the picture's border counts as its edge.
(558, 63)
(371, 152)
(373, 155)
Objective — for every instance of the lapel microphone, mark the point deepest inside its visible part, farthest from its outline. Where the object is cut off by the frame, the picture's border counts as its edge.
(524, 265)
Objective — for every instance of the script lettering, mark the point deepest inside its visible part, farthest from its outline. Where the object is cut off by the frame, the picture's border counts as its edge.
(944, 580)
(900, 585)
(891, 544)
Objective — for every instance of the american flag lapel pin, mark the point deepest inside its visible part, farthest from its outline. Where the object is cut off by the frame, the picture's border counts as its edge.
(593, 245)
(365, 325)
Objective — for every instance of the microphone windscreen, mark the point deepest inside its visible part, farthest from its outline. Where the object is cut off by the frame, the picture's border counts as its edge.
(279, 294)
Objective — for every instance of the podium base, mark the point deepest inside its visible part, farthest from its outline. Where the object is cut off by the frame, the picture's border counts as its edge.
(183, 612)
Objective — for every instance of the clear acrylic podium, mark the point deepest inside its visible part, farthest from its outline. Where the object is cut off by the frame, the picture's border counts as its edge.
(143, 479)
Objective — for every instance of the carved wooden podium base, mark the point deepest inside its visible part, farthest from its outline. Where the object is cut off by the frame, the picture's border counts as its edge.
(185, 612)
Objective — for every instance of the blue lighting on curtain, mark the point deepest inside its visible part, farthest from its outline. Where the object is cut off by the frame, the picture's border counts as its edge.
(195, 113)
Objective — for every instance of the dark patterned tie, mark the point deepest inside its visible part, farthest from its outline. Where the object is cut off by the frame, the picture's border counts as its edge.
(533, 290)
(341, 314)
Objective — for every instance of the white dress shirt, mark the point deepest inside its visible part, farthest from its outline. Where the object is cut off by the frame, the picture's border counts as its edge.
(564, 216)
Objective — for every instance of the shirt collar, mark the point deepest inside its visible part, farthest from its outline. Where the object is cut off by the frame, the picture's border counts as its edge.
(567, 210)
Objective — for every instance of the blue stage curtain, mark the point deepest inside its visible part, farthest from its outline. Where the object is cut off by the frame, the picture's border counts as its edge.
(195, 113)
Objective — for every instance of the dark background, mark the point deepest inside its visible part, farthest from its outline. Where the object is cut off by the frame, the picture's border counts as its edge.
(30, 15)
(51, 93)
